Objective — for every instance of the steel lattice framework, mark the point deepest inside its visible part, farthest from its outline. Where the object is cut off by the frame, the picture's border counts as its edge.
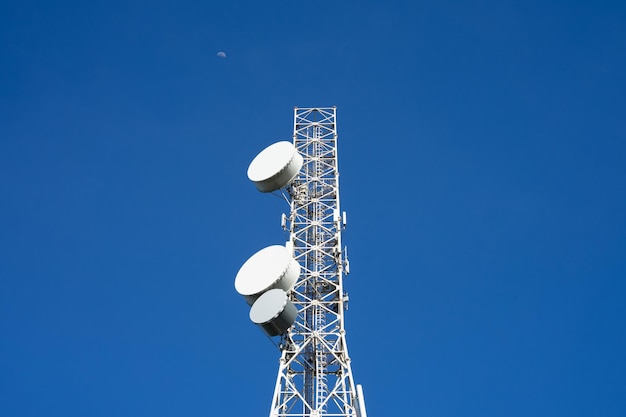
(315, 376)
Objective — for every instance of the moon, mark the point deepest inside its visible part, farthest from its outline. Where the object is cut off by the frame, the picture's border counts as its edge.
(221, 54)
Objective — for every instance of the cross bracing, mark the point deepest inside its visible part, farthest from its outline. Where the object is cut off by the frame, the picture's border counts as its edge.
(314, 375)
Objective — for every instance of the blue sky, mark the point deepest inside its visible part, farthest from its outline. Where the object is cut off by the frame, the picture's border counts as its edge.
(481, 145)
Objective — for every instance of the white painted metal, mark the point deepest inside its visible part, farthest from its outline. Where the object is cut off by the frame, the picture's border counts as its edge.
(314, 375)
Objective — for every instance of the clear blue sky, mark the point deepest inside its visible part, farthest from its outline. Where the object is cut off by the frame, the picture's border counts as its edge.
(482, 157)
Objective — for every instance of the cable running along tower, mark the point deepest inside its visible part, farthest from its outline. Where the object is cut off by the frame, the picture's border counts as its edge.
(296, 290)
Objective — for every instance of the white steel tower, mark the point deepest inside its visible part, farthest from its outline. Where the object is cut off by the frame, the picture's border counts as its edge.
(314, 376)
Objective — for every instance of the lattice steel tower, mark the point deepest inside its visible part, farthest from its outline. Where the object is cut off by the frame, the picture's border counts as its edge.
(314, 375)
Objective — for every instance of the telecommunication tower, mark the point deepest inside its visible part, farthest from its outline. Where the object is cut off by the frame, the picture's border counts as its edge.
(296, 290)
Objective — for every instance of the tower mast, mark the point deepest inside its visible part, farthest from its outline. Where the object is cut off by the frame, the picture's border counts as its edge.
(315, 375)
(296, 291)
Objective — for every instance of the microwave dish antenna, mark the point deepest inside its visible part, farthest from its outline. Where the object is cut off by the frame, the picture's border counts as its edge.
(271, 267)
(273, 312)
(275, 167)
